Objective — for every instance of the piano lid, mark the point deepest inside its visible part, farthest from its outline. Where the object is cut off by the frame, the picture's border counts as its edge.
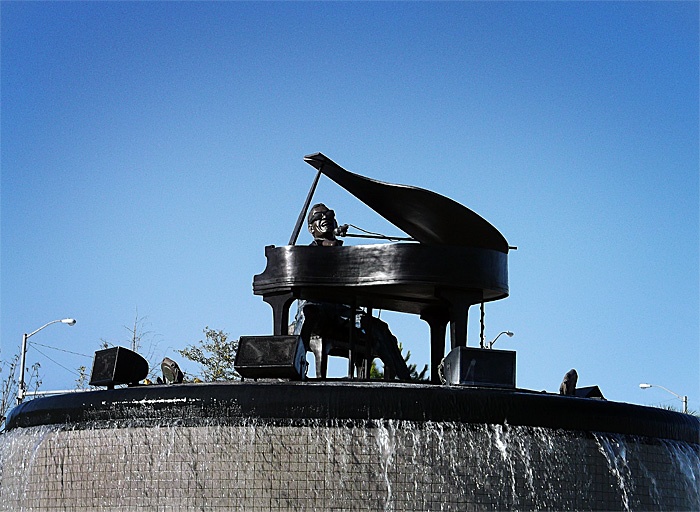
(426, 216)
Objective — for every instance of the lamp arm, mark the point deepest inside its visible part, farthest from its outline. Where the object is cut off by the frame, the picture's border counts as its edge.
(666, 389)
(491, 344)
(42, 327)
(682, 398)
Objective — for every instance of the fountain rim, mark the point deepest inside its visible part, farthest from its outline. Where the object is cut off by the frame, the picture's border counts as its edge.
(351, 401)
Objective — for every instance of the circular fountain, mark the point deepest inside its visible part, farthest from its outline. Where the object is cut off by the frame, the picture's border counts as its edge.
(346, 446)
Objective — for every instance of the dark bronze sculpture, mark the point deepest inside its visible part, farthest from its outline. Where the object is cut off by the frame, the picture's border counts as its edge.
(568, 384)
(458, 259)
(336, 329)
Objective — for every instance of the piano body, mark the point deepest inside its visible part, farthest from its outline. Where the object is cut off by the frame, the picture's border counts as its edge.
(457, 259)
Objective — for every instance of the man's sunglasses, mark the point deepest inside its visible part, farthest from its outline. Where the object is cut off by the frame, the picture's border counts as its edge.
(319, 215)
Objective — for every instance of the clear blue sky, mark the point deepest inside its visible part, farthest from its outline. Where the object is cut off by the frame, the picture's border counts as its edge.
(150, 151)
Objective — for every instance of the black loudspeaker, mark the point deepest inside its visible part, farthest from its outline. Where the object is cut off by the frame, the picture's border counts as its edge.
(589, 392)
(271, 357)
(117, 365)
(480, 367)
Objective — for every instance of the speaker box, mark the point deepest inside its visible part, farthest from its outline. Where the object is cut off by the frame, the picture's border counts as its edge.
(589, 392)
(117, 365)
(270, 357)
(480, 367)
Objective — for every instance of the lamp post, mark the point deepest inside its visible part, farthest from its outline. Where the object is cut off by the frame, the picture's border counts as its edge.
(21, 388)
(507, 333)
(683, 398)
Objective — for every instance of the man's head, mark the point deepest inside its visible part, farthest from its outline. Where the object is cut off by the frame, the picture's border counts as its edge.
(322, 222)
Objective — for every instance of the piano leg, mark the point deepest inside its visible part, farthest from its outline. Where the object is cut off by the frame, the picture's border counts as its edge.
(324, 359)
(437, 319)
(367, 362)
(280, 303)
(459, 303)
(458, 326)
(351, 341)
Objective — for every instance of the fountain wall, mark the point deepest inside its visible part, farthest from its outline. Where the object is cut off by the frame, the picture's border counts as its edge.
(345, 447)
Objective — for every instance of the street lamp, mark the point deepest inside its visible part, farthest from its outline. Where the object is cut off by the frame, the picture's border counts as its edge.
(21, 388)
(507, 333)
(684, 399)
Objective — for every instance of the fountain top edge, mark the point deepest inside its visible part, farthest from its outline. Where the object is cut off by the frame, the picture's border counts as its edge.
(355, 401)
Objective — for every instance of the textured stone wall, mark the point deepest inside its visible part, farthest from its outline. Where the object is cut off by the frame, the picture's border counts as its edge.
(400, 466)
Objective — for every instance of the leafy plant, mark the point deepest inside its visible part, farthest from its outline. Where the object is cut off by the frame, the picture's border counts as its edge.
(215, 354)
(9, 385)
(376, 373)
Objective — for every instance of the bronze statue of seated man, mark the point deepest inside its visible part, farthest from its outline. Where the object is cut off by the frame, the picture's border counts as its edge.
(325, 327)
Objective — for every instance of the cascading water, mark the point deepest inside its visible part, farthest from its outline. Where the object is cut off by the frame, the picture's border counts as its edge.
(636, 475)
(319, 465)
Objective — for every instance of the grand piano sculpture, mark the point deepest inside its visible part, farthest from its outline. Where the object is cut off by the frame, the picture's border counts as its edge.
(453, 259)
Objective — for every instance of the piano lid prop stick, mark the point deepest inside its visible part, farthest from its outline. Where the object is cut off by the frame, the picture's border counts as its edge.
(302, 214)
